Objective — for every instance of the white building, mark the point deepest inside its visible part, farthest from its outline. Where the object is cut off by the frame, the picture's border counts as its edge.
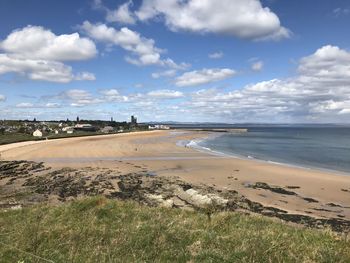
(107, 129)
(37, 133)
(158, 127)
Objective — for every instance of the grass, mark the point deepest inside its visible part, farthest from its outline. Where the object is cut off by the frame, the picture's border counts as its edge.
(22, 137)
(101, 230)
(16, 137)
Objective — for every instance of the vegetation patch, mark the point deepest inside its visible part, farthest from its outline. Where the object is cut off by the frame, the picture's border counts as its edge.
(101, 230)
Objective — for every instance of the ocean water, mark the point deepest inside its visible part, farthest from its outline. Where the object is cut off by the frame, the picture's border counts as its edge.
(312, 147)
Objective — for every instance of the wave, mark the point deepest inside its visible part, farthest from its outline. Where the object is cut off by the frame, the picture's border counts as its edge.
(195, 144)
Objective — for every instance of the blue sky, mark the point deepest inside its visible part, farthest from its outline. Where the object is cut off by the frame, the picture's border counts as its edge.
(195, 60)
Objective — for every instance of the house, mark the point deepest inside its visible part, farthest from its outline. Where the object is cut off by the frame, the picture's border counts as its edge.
(37, 133)
(84, 127)
(158, 127)
(107, 129)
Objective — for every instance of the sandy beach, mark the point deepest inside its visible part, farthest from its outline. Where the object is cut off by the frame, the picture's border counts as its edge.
(306, 192)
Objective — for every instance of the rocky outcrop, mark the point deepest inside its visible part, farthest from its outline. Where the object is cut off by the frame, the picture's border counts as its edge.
(25, 183)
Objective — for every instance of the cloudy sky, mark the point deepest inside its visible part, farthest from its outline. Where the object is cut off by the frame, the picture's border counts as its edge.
(227, 61)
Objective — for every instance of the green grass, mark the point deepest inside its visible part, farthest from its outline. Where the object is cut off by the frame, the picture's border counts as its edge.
(101, 230)
(16, 137)
(22, 137)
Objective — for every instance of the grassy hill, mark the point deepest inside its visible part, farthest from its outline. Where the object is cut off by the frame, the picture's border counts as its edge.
(101, 230)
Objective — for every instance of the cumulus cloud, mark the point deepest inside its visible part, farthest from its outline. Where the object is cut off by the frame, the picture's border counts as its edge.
(216, 55)
(38, 54)
(257, 66)
(2, 98)
(143, 50)
(166, 73)
(121, 15)
(85, 76)
(165, 94)
(341, 11)
(36, 69)
(52, 105)
(35, 42)
(113, 95)
(203, 76)
(240, 18)
(29, 105)
(78, 97)
(25, 105)
(319, 92)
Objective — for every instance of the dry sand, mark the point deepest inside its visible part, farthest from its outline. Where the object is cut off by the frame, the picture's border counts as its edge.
(159, 153)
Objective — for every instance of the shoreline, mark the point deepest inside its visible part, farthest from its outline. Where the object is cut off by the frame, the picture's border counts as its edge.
(194, 144)
(293, 190)
(13, 145)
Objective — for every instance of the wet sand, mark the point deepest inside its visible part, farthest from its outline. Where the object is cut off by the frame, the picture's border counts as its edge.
(307, 192)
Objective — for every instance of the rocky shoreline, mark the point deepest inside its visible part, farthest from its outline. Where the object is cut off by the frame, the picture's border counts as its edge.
(25, 183)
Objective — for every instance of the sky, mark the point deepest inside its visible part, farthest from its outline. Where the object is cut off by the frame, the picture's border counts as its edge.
(231, 61)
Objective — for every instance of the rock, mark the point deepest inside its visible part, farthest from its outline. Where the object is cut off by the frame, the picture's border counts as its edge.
(274, 189)
(40, 184)
(177, 202)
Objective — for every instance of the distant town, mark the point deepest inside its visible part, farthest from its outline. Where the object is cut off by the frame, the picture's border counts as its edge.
(23, 130)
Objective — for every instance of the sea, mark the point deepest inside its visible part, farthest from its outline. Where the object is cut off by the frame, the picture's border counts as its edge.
(315, 147)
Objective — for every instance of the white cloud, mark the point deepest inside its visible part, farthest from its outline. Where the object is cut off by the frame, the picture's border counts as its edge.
(78, 97)
(37, 69)
(319, 92)
(85, 76)
(216, 55)
(165, 94)
(76, 94)
(2, 98)
(341, 11)
(203, 76)
(35, 42)
(257, 66)
(113, 95)
(25, 105)
(166, 73)
(240, 18)
(52, 105)
(37, 54)
(28, 105)
(143, 50)
(122, 15)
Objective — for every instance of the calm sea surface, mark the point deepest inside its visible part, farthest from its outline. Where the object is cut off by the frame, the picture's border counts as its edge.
(313, 147)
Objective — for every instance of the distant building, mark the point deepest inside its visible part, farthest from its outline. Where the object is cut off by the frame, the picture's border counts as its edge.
(158, 127)
(64, 129)
(37, 133)
(84, 127)
(133, 120)
(107, 129)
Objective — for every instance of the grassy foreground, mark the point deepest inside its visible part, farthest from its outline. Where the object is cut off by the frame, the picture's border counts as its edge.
(101, 230)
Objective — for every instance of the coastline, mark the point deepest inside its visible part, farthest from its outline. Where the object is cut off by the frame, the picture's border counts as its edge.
(194, 144)
(310, 193)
